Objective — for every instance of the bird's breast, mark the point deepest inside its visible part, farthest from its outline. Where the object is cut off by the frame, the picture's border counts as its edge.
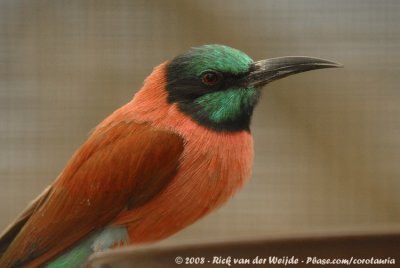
(213, 166)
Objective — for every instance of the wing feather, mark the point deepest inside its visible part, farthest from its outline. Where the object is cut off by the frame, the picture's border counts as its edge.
(121, 165)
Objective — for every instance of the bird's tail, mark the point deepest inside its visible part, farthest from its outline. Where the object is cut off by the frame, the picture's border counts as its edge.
(9, 234)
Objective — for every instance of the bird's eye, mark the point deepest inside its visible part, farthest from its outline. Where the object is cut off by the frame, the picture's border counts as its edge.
(210, 78)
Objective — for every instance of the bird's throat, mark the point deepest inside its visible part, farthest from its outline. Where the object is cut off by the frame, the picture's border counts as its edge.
(225, 111)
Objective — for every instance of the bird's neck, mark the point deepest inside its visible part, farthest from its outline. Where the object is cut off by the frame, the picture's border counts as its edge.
(227, 112)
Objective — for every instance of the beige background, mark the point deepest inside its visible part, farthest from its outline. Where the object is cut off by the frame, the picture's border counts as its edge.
(327, 143)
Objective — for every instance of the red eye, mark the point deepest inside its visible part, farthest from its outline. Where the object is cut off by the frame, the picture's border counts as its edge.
(210, 78)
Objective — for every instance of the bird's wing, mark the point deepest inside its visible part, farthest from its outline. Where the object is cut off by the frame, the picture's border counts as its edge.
(117, 163)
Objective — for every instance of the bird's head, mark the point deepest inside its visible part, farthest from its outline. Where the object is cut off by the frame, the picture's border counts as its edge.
(219, 86)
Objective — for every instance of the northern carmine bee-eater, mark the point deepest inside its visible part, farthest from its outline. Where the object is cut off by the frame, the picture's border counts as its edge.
(177, 151)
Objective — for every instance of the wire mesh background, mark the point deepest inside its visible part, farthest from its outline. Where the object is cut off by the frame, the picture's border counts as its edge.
(327, 144)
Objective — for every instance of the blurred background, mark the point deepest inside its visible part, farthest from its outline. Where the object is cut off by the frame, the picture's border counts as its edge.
(327, 142)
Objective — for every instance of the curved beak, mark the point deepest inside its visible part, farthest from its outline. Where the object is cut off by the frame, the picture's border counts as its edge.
(265, 71)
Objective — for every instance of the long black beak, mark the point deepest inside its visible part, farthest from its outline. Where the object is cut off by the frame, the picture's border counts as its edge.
(265, 71)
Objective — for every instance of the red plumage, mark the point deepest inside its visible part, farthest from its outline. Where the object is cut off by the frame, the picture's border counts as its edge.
(145, 157)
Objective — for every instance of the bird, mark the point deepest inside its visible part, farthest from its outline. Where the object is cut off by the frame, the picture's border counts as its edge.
(178, 150)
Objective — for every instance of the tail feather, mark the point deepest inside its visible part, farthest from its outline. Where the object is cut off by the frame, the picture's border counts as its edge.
(9, 234)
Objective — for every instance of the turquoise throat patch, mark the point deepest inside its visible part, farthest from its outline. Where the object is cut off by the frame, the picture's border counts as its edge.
(227, 105)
